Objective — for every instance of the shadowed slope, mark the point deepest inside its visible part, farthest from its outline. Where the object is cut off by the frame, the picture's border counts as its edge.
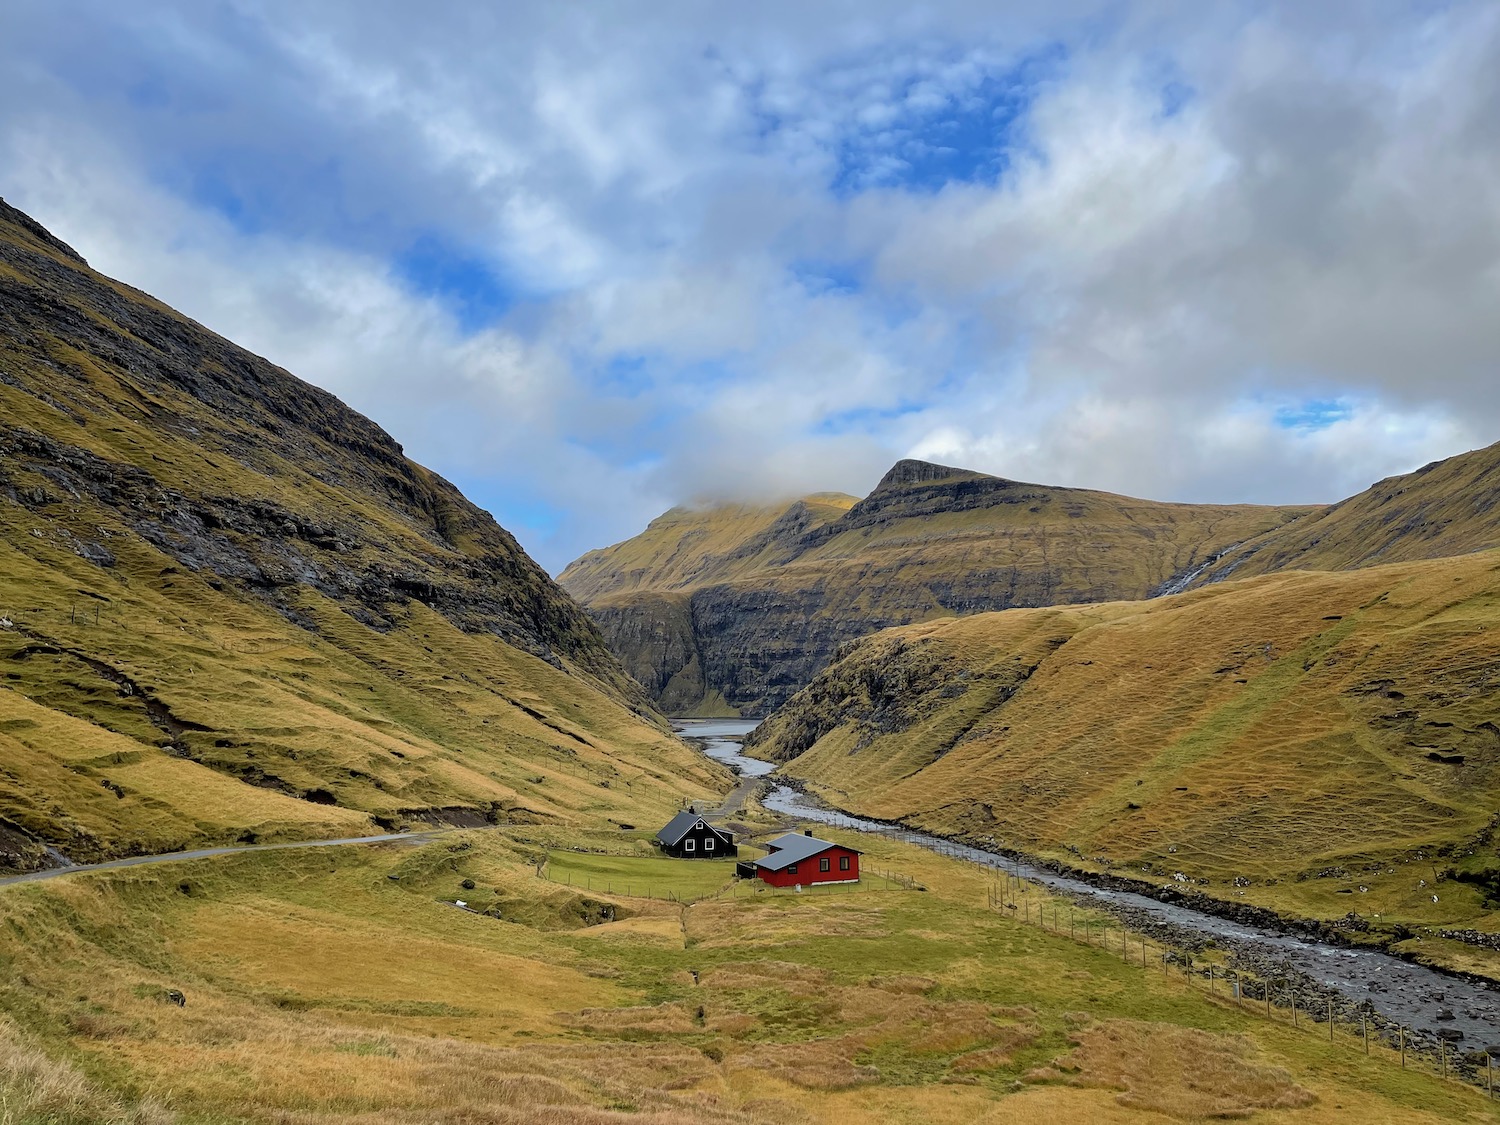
(231, 608)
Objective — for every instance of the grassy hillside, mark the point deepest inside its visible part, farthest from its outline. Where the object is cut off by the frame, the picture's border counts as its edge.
(1450, 507)
(1314, 742)
(231, 608)
(690, 546)
(345, 988)
(929, 542)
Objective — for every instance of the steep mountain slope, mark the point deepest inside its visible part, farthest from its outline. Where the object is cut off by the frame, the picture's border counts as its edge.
(1328, 727)
(741, 625)
(1450, 507)
(231, 608)
(688, 547)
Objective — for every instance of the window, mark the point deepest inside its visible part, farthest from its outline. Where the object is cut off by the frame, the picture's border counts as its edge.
(843, 863)
(823, 864)
(687, 846)
(708, 845)
(791, 869)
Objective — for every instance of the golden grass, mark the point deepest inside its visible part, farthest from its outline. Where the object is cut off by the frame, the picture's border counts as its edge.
(38, 1090)
(1445, 509)
(158, 700)
(715, 539)
(321, 992)
(1325, 738)
(1181, 1072)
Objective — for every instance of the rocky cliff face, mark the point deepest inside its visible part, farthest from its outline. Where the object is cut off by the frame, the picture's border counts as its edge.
(208, 559)
(755, 620)
(249, 473)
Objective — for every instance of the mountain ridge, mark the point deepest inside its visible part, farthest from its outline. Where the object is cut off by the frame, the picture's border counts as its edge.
(1282, 740)
(231, 607)
(1445, 508)
(928, 541)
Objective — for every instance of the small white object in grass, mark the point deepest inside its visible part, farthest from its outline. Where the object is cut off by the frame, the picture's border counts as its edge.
(461, 904)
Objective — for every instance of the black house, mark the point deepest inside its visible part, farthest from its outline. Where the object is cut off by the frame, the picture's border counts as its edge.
(688, 836)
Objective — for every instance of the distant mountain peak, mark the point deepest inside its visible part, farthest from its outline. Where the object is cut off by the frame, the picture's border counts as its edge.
(9, 214)
(909, 470)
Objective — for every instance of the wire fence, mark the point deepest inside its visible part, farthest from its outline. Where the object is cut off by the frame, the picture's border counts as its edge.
(1277, 998)
(737, 888)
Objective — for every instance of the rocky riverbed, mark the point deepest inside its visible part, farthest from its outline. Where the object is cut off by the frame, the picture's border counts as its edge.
(1397, 999)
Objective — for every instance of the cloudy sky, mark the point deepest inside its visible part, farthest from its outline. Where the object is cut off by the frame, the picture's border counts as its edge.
(591, 261)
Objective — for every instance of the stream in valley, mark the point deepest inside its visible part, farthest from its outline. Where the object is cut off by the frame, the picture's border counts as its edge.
(1399, 992)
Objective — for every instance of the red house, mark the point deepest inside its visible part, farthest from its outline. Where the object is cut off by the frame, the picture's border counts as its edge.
(801, 860)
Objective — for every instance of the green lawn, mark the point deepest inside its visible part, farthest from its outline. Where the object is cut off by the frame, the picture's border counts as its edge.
(641, 876)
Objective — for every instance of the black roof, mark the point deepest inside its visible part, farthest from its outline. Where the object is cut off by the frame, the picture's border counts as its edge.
(683, 823)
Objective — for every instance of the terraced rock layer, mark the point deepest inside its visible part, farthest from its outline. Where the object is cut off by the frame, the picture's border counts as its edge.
(733, 609)
(231, 607)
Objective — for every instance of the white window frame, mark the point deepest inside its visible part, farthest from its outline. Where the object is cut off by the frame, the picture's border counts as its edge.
(687, 845)
(708, 844)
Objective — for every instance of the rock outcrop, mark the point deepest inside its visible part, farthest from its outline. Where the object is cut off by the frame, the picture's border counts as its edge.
(231, 606)
(735, 609)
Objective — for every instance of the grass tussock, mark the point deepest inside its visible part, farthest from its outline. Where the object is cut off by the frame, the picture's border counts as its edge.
(1184, 1073)
(38, 1090)
(823, 1064)
(1005, 1042)
(654, 1018)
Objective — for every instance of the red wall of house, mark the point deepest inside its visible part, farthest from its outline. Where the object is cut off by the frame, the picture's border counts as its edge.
(808, 873)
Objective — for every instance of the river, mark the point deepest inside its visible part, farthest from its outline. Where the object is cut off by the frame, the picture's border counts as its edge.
(1402, 993)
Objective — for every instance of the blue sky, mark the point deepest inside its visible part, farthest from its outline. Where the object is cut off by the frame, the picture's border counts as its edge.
(590, 262)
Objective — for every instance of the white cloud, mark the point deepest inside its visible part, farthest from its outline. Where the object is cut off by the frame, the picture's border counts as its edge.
(725, 283)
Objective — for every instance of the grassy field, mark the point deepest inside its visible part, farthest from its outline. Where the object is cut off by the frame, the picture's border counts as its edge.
(1314, 743)
(642, 875)
(346, 988)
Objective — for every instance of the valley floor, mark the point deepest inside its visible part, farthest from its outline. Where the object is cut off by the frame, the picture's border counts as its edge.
(345, 986)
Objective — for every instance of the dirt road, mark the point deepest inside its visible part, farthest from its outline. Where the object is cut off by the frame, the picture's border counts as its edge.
(205, 853)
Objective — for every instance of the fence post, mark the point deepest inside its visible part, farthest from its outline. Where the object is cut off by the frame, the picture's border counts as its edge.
(1364, 1030)
(1330, 1019)
(1401, 1036)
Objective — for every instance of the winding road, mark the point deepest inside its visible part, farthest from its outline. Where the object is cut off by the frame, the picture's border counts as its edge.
(206, 853)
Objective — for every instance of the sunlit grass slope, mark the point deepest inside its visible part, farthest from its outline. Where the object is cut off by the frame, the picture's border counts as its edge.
(344, 988)
(1316, 742)
(929, 542)
(1450, 507)
(689, 546)
(230, 608)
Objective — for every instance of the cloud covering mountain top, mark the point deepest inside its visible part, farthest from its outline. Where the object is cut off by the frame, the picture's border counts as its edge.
(594, 261)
